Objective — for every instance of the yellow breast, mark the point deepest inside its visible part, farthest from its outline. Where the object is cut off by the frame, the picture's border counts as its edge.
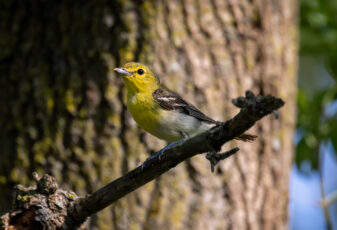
(144, 110)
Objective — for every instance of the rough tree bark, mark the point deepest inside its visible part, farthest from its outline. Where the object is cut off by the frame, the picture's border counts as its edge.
(62, 113)
(45, 206)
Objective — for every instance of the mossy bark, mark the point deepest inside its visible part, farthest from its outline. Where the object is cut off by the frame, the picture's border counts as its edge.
(62, 112)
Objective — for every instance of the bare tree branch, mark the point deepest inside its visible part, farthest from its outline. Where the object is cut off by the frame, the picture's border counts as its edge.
(78, 209)
(252, 109)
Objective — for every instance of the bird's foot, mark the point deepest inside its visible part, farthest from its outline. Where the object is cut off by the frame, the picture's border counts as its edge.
(158, 154)
(161, 152)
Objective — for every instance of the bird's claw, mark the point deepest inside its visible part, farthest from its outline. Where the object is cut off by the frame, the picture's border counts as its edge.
(161, 152)
(158, 154)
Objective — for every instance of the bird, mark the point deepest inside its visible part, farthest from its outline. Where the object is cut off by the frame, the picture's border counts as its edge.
(161, 111)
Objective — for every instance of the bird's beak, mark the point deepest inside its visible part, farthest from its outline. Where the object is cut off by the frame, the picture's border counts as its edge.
(122, 71)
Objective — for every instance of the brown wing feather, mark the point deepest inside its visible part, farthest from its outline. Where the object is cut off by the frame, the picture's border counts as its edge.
(170, 100)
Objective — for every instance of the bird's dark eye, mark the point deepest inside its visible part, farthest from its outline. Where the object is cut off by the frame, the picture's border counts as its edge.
(140, 71)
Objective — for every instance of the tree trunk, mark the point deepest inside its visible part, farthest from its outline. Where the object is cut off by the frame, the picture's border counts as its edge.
(62, 110)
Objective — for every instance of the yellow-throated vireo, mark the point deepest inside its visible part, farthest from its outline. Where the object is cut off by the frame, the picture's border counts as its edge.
(158, 110)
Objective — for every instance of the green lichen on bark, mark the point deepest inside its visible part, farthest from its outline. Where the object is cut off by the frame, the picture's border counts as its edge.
(61, 111)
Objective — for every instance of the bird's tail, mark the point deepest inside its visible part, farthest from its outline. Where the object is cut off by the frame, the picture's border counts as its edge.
(246, 137)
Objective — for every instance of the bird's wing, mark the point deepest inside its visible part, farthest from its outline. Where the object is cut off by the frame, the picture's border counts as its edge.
(169, 100)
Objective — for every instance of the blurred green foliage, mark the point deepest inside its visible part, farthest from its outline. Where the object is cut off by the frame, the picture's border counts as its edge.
(317, 110)
(318, 26)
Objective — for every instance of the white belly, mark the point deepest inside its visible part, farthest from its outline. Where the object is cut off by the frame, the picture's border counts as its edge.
(171, 126)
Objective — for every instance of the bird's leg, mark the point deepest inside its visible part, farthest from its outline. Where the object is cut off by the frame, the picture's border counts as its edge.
(168, 146)
(161, 152)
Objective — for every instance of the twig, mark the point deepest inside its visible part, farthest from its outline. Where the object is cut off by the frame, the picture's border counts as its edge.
(321, 180)
(329, 199)
(215, 157)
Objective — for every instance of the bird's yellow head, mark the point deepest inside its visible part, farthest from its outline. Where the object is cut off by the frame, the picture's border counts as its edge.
(138, 77)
